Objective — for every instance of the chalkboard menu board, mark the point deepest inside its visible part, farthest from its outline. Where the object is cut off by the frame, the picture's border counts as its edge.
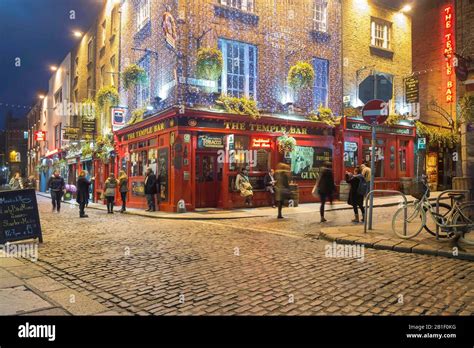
(19, 217)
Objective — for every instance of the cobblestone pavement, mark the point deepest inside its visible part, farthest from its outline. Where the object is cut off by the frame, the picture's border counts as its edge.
(137, 265)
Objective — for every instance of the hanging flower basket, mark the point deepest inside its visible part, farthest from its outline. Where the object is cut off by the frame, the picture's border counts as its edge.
(209, 64)
(133, 75)
(301, 76)
(324, 115)
(286, 144)
(106, 97)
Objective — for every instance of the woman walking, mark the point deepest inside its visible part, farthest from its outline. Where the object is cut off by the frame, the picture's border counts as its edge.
(82, 193)
(110, 186)
(325, 187)
(123, 188)
(282, 186)
(356, 197)
(243, 185)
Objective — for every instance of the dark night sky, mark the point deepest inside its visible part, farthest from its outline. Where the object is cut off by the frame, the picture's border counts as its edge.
(39, 32)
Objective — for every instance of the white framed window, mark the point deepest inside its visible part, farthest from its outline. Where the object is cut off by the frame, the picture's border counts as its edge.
(321, 82)
(380, 33)
(143, 13)
(58, 97)
(244, 5)
(239, 74)
(320, 16)
(143, 88)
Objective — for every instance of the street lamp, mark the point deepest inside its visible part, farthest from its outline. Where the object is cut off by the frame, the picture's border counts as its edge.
(406, 8)
(41, 96)
(77, 33)
(53, 68)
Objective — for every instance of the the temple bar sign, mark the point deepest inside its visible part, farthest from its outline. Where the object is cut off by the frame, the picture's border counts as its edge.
(145, 131)
(243, 126)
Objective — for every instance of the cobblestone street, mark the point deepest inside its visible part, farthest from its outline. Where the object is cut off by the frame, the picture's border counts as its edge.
(257, 266)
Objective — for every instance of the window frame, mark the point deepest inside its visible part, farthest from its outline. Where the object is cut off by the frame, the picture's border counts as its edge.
(242, 5)
(145, 63)
(320, 7)
(316, 87)
(249, 89)
(90, 51)
(380, 33)
(143, 14)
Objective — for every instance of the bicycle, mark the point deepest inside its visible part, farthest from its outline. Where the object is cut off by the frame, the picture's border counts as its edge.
(453, 221)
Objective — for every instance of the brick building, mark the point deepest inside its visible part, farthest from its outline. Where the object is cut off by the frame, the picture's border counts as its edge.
(184, 129)
(376, 39)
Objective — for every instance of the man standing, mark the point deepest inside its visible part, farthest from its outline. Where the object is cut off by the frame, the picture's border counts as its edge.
(82, 193)
(56, 187)
(269, 182)
(150, 189)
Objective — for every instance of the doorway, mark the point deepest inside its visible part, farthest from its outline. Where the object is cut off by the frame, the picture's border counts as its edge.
(208, 177)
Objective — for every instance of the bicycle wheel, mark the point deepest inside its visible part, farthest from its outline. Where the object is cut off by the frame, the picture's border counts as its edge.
(466, 216)
(415, 220)
(430, 225)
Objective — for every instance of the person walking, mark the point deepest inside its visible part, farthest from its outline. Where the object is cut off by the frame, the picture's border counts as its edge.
(243, 185)
(110, 186)
(269, 182)
(282, 186)
(56, 187)
(82, 193)
(325, 187)
(356, 193)
(123, 188)
(150, 189)
(16, 182)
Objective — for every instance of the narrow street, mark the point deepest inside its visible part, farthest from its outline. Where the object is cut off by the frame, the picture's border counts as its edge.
(256, 266)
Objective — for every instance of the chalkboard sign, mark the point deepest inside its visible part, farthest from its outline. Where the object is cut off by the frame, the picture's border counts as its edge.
(19, 217)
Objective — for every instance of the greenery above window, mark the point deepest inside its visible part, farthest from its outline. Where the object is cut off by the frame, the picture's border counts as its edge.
(301, 76)
(241, 106)
(324, 115)
(133, 75)
(137, 116)
(437, 136)
(209, 64)
(466, 108)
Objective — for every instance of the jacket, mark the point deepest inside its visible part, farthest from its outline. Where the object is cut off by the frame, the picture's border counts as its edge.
(82, 190)
(56, 184)
(110, 185)
(151, 185)
(268, 180)
(16, 184)
(326, 182)
(243, 185)
(282, 186)
(123, 184)
(354, 197)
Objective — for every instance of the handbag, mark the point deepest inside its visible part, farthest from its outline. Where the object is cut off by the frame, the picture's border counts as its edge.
(102, 195)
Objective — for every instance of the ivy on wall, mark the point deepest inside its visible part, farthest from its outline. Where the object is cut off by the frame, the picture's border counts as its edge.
(437, 136)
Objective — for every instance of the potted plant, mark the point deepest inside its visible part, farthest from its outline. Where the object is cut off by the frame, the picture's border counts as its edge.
(133, 75)
(106, 97)
(286, 144)
(301, 76)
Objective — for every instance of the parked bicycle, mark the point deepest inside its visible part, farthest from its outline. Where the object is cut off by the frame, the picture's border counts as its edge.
(453, 221)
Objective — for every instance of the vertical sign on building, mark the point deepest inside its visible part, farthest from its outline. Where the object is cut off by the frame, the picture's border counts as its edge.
(448, 23)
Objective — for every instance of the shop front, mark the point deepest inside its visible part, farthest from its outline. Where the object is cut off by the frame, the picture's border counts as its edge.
(198, 155)
(394, 151)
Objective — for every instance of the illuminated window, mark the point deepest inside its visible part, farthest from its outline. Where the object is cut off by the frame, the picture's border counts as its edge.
(143, 13)
(380, 33)
(143, 88)
(239, 75)
(321, 81)
(244, 5)
(320, 15)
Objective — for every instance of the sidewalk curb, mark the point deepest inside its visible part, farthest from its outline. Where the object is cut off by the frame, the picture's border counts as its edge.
(177, 216)
(391, 245)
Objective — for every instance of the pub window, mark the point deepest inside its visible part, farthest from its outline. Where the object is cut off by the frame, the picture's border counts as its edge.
(321, 84)
(402, 155)
(379, 155)
(351, 158)
(58, 97)
(141, 160)
(239, 73)
(380, 33)
(241, 154)
(320, 15)
(261, 160)
(143, 13)
(244, 5)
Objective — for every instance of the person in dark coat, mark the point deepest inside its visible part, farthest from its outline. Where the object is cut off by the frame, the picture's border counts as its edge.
(269, 182)
(282, 186)
(56, 186)
(150, 189)
(326, 187)
(355, 199)
(82, 193)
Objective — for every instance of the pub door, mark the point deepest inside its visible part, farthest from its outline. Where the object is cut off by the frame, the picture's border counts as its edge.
(207, 183)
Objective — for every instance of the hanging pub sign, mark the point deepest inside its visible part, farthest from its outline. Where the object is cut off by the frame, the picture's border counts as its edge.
(412, 94)
(210, 141)
(40, 135)
(71, 133)
(169, 29)
(118, 117)
(448, 51)
(88, 126)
